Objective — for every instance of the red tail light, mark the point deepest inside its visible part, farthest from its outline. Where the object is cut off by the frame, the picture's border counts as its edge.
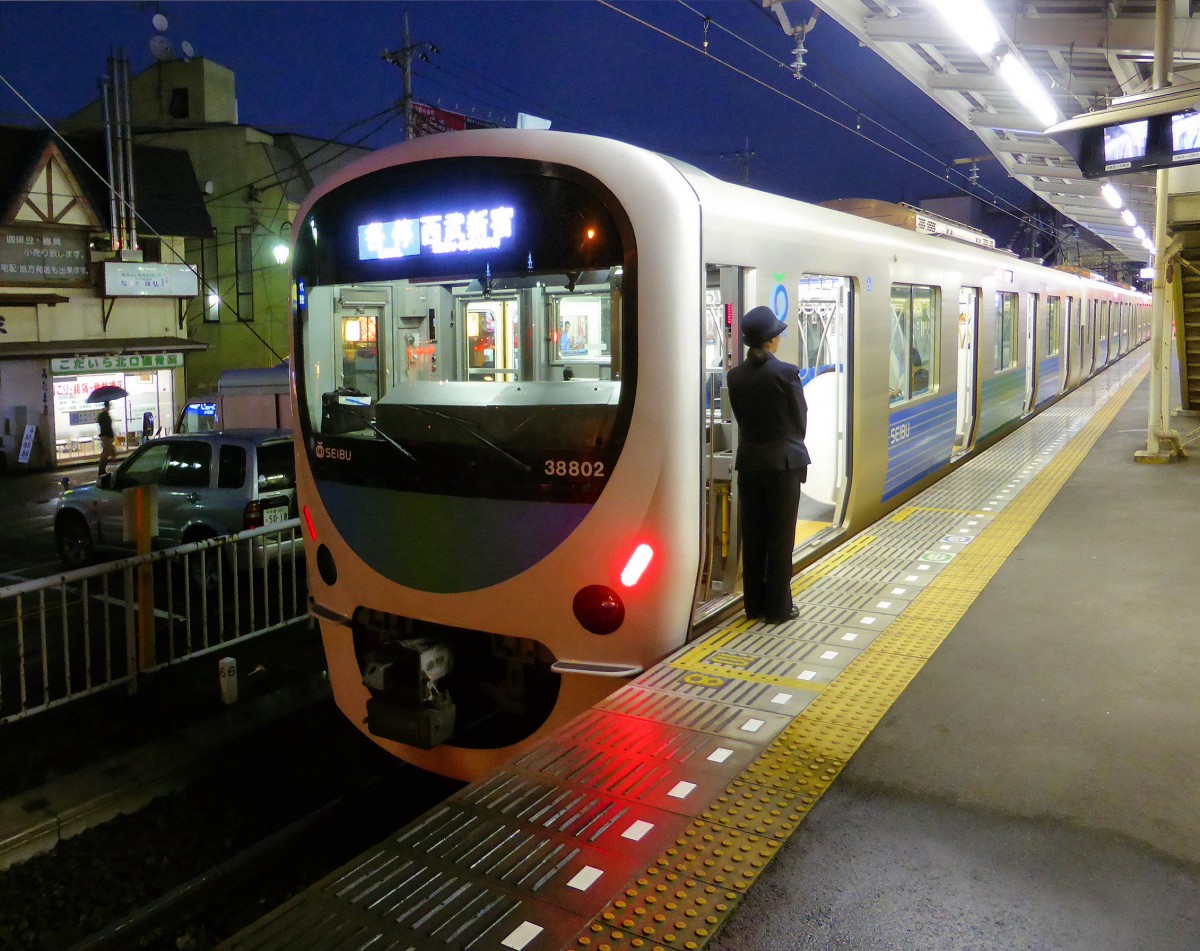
(638, 562)
(252, 516)
(308, 520)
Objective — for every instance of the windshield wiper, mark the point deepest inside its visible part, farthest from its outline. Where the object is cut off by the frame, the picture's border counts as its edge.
(471, 431)
(370, 424)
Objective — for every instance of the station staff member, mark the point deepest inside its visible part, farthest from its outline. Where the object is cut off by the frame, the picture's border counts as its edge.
(767, 399)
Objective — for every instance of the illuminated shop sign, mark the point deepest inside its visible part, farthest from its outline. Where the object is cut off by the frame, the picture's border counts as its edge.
(447, 233)
(125, 362)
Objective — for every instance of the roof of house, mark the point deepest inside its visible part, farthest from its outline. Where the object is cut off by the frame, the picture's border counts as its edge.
(167, 196)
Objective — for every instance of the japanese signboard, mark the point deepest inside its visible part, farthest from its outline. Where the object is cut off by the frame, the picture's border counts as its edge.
(125, 362)
(44, 257)
(126, 279)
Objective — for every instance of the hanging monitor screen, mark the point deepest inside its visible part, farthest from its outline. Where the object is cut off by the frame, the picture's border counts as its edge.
(1125, 144)
(1185, 136)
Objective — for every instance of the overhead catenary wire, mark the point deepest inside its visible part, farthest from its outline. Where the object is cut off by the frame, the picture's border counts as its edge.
(944, 169)
(338, 149)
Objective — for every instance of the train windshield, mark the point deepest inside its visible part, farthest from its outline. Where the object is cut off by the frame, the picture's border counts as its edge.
(463, 328)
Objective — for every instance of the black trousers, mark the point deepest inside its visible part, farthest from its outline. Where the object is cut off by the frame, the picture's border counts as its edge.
(767, 504)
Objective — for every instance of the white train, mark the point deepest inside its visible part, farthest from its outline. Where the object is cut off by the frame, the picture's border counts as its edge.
(514, 460)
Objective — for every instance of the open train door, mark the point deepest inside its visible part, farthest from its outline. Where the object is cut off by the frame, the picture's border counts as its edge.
(968, 367)
(824, 311)
(818, 311)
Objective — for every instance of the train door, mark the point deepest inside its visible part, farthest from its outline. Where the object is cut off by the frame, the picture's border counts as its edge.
(724, 293)
(1031, 351)
(1114, 332)
(1067, 344)
(490, 338)
(968, 365)
(361, 316)
(824, 312)
(1077, 340)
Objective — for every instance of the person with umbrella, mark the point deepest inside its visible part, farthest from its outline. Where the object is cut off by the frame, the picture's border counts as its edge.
(108, 441)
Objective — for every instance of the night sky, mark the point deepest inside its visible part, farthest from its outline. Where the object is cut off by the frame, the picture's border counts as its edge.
(317, 69)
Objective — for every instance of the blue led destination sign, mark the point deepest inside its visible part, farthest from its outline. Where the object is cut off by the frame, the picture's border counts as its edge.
(448, 233)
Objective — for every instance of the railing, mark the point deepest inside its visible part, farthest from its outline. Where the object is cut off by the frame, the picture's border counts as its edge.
(72, 635)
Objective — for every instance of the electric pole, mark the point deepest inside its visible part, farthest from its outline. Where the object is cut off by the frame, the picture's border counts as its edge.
(403, 58)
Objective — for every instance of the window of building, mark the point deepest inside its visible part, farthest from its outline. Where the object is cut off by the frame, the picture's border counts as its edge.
(244, 260)
(151, 249)
(1006, 330)
(178, 108)
(913, 362)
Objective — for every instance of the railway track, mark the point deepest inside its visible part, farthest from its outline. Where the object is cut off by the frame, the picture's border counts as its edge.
(280, 808)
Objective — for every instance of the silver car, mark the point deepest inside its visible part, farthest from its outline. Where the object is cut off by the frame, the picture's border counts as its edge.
(209, 484)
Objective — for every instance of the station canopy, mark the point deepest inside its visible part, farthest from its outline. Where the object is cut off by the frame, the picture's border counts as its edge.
(1088, 55)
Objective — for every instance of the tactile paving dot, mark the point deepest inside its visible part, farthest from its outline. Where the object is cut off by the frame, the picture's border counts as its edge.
(796, 766)
(865, 690)
(729, 858)
(911, 637)
(661, 909)
(761, 810)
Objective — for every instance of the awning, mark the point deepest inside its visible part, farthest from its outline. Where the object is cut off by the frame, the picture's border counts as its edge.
(31, 300)
(114, 346)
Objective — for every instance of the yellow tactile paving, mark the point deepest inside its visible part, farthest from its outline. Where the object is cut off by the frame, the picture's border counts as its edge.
(767, 803)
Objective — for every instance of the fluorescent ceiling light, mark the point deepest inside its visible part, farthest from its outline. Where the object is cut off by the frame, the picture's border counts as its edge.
(1027, 89)
(971, 20)
(1127, 217)
(1148, 245)
(1140, 233)
(1111, 195)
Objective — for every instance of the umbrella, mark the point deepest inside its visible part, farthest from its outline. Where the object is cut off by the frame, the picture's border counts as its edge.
(102, 394)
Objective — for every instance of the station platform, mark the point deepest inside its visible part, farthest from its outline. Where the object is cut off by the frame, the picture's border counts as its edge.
(979, 734)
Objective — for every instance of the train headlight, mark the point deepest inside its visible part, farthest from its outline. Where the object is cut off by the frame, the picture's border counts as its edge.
(599, 609)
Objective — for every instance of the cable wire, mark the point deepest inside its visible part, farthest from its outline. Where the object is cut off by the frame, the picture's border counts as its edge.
(1020, 215)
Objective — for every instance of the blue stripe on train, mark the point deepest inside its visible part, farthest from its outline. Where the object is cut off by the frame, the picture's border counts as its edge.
(920, 441)
(1001, 400)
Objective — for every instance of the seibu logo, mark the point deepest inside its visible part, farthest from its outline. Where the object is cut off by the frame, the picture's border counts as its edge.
(335, 453)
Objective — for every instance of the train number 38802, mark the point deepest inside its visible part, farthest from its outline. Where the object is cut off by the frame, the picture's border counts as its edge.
(574, 469)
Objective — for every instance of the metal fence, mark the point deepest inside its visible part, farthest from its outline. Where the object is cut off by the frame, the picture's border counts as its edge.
(75, 634)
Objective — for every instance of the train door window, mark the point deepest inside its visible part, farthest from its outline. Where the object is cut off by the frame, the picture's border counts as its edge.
(968, 329)
(913, 359)
(491, 339)
(360, 351)
(1053, 326)
(1006, 330)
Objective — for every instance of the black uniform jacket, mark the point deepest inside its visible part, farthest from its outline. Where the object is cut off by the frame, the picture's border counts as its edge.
(768, 404)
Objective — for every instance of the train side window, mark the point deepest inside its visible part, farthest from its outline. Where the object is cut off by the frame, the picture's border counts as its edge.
(1006, 330)
(913, 360)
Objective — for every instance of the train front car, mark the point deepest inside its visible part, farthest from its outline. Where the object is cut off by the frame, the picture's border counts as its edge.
(497, 356)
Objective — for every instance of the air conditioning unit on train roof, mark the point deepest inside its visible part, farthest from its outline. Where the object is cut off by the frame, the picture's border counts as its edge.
(911, 218)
